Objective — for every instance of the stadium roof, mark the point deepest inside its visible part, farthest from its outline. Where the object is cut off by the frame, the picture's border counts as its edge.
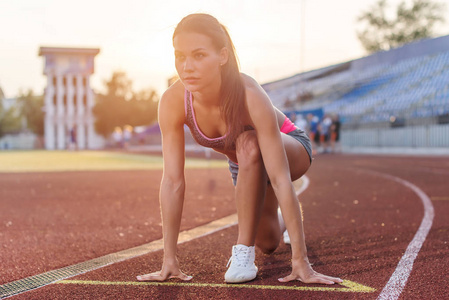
(72, 51)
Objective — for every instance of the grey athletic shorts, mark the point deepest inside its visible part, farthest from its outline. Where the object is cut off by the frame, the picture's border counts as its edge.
(297, 134)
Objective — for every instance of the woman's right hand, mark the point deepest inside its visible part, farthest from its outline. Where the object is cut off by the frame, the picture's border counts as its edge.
(169, 270)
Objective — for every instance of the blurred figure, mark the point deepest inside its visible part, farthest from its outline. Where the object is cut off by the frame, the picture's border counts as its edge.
(313, 131)
(292, 117)
(117, 137)
(300, 122)
(72, 139)
(127, 134)
(325, 126)
(335, 134)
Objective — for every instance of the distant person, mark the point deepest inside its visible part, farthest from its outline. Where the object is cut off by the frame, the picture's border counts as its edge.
(300, 122)
(229, 112)
(313, 131)
(292, 117)
(117, 137)
(72, 139)
(335, 134)
(324, 129)
(127, 135)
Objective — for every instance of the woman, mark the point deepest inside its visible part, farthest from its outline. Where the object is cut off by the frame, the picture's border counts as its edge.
(229, 112)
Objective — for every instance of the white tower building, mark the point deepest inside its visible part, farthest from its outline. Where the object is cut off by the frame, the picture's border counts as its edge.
(69, 98)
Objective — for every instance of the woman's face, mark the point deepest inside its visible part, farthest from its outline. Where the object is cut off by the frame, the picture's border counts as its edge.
(197, 60)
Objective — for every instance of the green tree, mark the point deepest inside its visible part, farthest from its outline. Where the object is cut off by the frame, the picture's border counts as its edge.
(10, 120)
(144, 107)
(31, 108)
(121, 106)
(410, 23)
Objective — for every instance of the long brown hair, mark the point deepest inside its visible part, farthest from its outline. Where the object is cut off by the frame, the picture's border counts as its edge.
(232, 91)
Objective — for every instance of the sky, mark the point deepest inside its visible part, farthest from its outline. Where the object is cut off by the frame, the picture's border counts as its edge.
(274, 38)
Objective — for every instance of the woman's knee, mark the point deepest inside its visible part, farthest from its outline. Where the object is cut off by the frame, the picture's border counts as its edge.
(268, 232)
(247, 149)
(268, 244)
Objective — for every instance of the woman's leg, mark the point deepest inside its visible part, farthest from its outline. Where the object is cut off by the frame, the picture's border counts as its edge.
(256, 201)
(250, 188)
(250, 194)
(270, 230)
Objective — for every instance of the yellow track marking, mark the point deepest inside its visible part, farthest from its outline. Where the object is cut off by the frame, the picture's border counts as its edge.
(349, 286)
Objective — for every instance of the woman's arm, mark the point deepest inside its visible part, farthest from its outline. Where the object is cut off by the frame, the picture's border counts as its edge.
(173, 183)
(263, 116)
(171, 196)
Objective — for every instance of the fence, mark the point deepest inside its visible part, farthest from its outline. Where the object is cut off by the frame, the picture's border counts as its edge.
(22, 141)
(423, 136)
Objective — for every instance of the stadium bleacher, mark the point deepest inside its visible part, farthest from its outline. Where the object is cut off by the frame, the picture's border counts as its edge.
(410, 82)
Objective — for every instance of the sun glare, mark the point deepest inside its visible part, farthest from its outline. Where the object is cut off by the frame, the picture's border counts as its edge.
(136, 37)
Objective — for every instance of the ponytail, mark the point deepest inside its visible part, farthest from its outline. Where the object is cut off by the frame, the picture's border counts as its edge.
(232, 95)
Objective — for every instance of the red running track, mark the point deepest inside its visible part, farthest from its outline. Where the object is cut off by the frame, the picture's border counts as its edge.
(360, 214)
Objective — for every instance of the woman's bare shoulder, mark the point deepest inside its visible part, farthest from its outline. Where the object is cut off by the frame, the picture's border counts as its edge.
(174, 93)
(171, 105)
(258, 102)
(248, 81)
(254, 91)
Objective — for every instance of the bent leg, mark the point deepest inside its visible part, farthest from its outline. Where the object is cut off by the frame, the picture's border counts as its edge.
(250, 188)
(270, 230)
(249, 195)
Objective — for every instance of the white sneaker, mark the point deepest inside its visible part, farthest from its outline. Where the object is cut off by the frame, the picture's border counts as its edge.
(285, 234)
(242, 267)
(286, 237)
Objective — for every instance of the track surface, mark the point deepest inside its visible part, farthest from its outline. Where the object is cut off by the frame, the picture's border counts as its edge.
(358, 225)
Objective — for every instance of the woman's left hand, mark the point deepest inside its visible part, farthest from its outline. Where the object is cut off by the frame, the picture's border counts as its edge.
(302, 271)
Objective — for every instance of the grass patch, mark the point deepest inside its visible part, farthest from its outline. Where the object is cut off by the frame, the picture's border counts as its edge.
(53, 161)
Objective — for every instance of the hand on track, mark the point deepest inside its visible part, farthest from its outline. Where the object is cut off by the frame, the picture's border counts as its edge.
(303, 272)
(169, 270)
(160, 276)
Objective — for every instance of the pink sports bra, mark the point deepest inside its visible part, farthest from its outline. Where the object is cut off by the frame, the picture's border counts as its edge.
(219, 142)
(200, 138)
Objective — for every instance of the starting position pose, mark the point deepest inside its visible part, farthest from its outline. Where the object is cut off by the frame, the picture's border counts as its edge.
(230, 112)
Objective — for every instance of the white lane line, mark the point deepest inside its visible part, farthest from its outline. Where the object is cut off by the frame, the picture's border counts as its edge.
(396, 284)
